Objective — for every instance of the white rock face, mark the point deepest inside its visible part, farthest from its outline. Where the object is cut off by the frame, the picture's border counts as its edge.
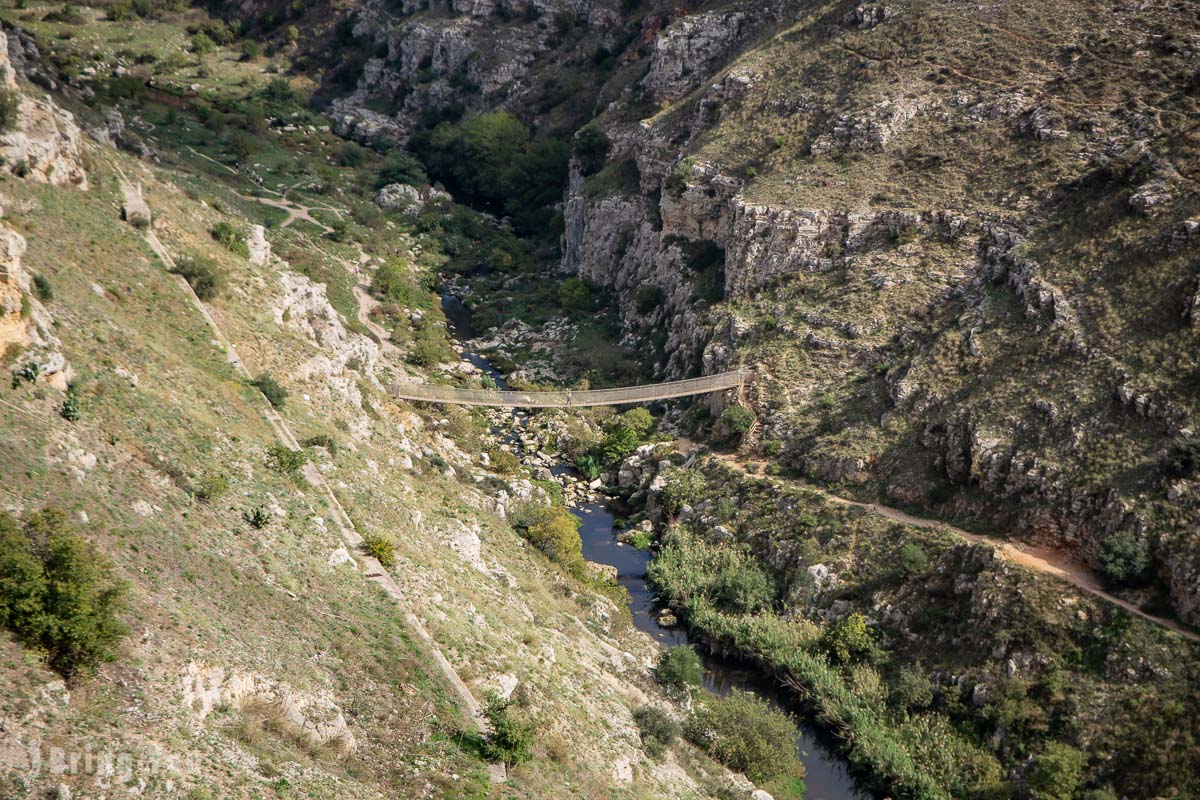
(44, 142)
(688, 50)
(304, 306)
(25, 321)
(316, 719)
(260, 248)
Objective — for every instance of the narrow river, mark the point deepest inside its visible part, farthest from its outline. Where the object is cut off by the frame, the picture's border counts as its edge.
(827, 777)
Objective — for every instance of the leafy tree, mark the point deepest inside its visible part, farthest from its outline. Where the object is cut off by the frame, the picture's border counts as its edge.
(679, 670)
(1183, 458)
(202, 44)
(746, 734)
(555, 531)
(849, 639)
(510, 741)
(1056, 772)
(400, 166)
(639, 420)
(742, 587)
(58, 593)
(284, 460)
(1125, 558)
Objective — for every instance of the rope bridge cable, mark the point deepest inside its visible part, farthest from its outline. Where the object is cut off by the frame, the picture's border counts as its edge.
(568, 398)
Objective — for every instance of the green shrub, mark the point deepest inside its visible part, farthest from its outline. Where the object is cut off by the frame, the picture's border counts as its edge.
(555, 531)
(502, 462)
(59, 594)
(1183, 458)
(202, 274)
(679, 670)
(430, 348)
(210, 487)
(740, 586)
(589, 466)
(591, 147)
(69, 410)
(510, 741)
(321, 440)
(42, 289)
(250, 50)
(285, 460)
(681, 487)
(351, 154)
(657, 729)
(202, 44)
(849, 639)
(746, 734)
(276, 395)
(737, 420)
(640, 540)
(230, 238)
(772, 447)
(1056, 772)
(574, 295)
(400, 167)
(10, 101)
(257, 517)
(911, 689)
(911, 561)
(1124, 559)
(380, 549)
(119, 11)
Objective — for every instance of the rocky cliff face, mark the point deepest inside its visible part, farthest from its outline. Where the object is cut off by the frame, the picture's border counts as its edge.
(931, 263)
(42, 141)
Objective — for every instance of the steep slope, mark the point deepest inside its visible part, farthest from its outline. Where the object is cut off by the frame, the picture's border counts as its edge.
(264, 657)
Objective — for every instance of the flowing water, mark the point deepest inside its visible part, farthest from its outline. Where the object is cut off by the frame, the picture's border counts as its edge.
(827, 777)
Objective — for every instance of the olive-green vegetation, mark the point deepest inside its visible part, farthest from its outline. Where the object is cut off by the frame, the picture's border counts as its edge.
(875, 687)
(58, 594)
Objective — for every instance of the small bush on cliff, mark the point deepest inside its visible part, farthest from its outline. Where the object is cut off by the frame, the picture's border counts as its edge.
(555, 531)
(285, 460)
(276, 395)
(737, 420)
(380, 549)
(657, 729)
(591, 149)
(682, 487)
(202, 274)
(746, 734)
(679, 670)
(58, 593)
(9, 102)
(911, 561)
(510, 741)
(230, 238)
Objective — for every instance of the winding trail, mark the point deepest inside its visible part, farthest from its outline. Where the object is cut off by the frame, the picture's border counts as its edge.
(372, 569)
(1046, 560)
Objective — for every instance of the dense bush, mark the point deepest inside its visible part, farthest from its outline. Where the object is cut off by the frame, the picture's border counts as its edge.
(911, 690)
(1056, 772)
(625, 432)
(657, 729)
(69, 410)
(394, 281)
(510, 741)
(202, 274)
(681, 487)
(575, 295)
(380, 549)
(285, 460)
(321, 440)
(679, 670)
(591, 149)
(648, 299)
(1125, 559)
(42, 289)
(746, 734)
(555, 531)
(210, 487)
(502, 462)
(276, 395)
(911, 561)
(401, 166)
(230, 238)
(58, 593)
(737, 420)
(849, 640)
(257, 517)
(429, 348)
(1183, 458)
